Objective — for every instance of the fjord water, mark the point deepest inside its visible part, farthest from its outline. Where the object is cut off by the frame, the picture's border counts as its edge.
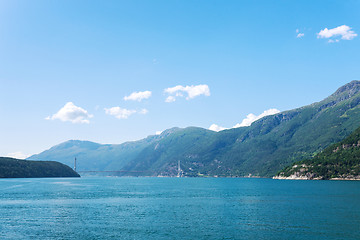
(178, 208)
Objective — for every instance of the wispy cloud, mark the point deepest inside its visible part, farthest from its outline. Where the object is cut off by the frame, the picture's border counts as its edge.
(71, 113)
(143, 111)
(299, 34)
(250, 118)
(170, 99)
(191, 92)
(123, 113)
(138, 96)
(342, 32)
(18, 155)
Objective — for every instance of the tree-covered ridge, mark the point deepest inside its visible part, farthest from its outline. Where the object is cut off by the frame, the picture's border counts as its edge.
(15, 168)
(340, 160)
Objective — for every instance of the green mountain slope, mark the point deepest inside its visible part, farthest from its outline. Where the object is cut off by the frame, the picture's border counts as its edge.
(338, 161)
(15, 168)
(268, 145)
(261, 149)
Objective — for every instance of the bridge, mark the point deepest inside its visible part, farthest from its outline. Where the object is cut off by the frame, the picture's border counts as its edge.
(95, 171)
(116, 171)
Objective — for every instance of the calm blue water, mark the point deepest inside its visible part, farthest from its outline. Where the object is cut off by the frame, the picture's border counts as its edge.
(178, 208)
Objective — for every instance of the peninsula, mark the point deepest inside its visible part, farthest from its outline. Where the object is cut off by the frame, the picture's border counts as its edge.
(16, 168)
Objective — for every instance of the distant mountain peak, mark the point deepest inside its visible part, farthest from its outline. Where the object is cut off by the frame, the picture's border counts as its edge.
(170, 131)
(77, 143)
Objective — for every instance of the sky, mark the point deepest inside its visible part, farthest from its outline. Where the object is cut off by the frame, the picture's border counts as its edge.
(116, 71)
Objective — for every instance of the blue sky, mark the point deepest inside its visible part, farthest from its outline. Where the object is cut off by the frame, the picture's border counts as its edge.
(233, 58)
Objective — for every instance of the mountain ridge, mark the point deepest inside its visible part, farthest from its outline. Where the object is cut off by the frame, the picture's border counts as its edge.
(261, 149)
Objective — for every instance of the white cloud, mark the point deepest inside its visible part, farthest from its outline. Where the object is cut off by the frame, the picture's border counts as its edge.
(250, 118)
(71, 113)
(158, 132)
(123, 113)
(120, 113)
(343, 31)
(191, 91)
(216, 128)
(138, 96)
(18, 155)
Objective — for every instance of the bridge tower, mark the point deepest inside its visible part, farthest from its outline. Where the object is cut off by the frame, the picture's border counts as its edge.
(75, 164)
(179, 170)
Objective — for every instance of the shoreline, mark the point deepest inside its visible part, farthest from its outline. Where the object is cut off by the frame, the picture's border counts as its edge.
(305, 178)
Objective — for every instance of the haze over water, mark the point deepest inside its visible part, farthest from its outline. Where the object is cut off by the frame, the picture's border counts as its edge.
(178, 208)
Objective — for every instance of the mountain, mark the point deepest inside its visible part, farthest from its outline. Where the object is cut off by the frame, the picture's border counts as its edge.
(94, 156)
(15, 168)
(338, 161)
(262, 149)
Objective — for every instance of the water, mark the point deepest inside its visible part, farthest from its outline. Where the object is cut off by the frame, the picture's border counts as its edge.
(178, 208)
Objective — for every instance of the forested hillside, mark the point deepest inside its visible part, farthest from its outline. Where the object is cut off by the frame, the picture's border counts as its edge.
(15, 168)
(339, 161)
